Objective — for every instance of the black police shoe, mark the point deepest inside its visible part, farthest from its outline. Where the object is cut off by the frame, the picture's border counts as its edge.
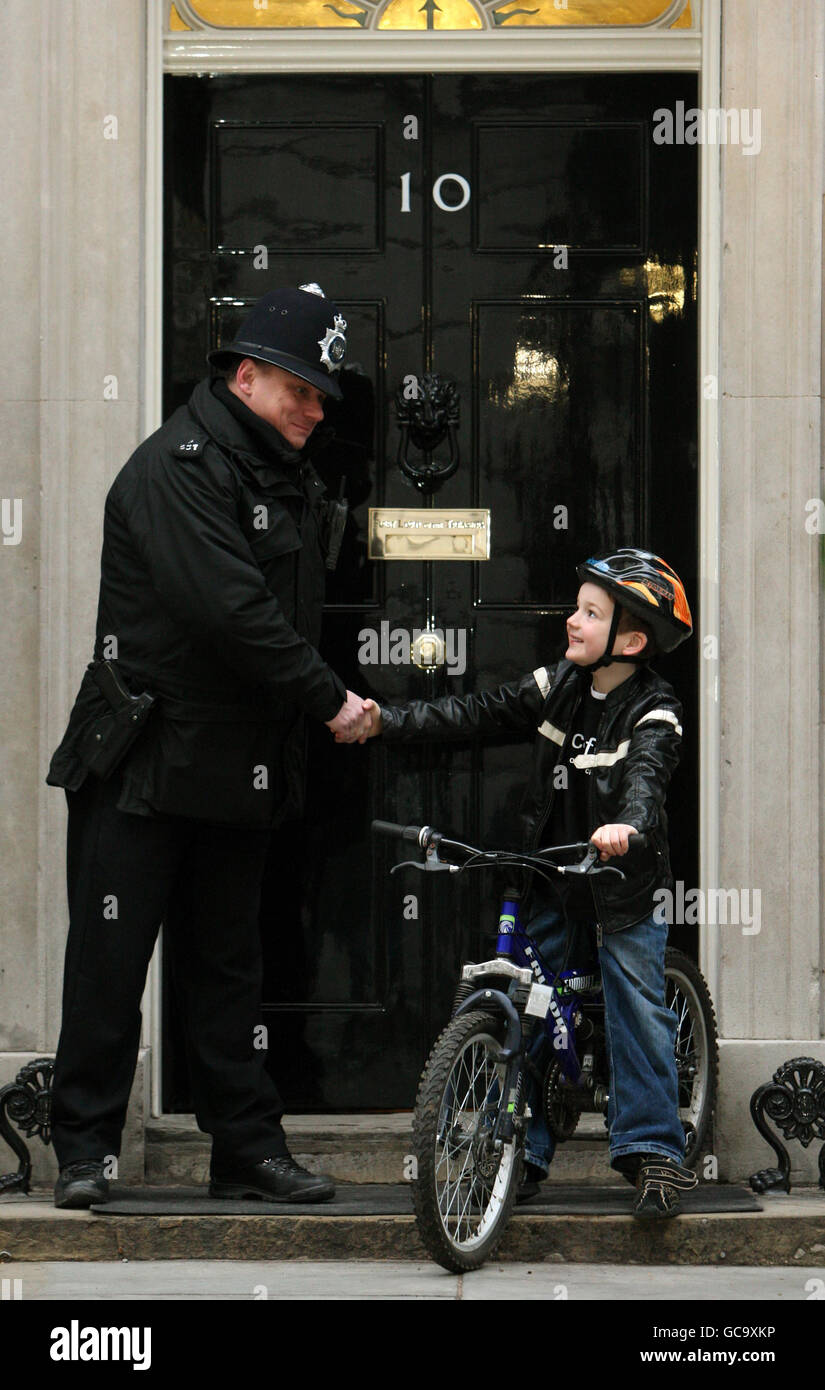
(80, 1184)
(659, 1183)
(278, 1179)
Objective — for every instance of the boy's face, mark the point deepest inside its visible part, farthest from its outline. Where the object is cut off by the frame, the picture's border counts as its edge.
(588, 628)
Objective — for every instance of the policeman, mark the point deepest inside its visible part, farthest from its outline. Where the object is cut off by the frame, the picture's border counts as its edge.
(184, 746)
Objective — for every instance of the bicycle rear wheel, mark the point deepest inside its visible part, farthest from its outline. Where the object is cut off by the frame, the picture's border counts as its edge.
(687, 994)
(464, 1190)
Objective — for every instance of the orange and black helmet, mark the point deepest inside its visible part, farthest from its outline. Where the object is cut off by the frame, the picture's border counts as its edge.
(646, 585)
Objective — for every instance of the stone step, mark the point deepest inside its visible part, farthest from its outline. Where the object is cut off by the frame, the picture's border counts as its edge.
(790, 1230)
(350, 1148)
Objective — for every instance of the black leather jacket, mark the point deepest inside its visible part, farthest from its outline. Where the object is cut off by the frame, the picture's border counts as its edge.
(212, 582)
(637, 750)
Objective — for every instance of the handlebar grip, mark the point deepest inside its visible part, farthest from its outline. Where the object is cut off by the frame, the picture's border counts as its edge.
(397, 832)
(638, 841)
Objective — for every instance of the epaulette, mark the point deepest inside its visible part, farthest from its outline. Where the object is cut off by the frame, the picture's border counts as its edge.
(190, 447)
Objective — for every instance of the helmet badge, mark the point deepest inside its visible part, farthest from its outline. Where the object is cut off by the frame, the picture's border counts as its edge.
(334, 345)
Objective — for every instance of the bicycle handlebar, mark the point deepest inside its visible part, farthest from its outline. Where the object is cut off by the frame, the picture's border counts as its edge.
(411, 833)
(426, 835)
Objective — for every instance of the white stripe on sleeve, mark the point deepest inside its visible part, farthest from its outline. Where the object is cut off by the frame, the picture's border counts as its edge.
(542, 677)
(661, 716)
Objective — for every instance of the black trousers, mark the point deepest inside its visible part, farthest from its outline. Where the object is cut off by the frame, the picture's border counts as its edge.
(126, 874)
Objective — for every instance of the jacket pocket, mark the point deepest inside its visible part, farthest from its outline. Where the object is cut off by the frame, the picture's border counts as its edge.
(280, 537)
(276, 553)
(227, 773)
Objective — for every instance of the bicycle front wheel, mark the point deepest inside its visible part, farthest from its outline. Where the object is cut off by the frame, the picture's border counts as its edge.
(465, 1188)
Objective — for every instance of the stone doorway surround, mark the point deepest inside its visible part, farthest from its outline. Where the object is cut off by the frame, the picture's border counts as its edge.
(82, 216)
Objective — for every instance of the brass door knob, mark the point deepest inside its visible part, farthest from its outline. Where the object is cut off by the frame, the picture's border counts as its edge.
(428, 650)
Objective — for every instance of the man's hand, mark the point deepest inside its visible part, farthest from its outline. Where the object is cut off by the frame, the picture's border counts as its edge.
(612, 839)
(353, 721)
(372, 727)
(373, 711)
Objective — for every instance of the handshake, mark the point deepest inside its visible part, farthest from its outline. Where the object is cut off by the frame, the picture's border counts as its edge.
(356, 721)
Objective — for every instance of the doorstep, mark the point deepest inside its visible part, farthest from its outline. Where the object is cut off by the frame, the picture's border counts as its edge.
(789, 1230)
(350, 1148)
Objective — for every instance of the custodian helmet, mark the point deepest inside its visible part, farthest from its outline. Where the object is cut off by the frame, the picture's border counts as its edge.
(299, 330)
(646, 585)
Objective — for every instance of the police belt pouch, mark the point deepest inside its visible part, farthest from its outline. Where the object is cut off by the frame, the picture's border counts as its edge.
(113, 733)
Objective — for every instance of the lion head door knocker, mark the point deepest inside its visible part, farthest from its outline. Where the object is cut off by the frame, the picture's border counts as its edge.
(427, 411)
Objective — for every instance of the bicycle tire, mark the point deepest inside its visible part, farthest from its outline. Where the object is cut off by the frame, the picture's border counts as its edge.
(461, 1230)
(696, 1048)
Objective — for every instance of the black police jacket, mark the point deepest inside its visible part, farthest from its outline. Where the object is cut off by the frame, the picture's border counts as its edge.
(638, 748)
(212, 584)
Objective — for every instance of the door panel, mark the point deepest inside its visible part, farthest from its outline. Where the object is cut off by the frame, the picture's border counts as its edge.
(540, 375)
(546, 264)
(535, 191)
(288, 187)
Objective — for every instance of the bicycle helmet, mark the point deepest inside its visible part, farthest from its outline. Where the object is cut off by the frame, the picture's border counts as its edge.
(646, 586)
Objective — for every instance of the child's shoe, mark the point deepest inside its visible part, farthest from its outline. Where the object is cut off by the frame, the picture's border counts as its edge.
(659, 1183)
(531, 1176)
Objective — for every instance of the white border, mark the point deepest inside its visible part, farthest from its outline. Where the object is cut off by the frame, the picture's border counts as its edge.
(533, 50)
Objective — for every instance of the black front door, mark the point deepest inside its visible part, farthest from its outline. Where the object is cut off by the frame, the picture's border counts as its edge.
(523, 238)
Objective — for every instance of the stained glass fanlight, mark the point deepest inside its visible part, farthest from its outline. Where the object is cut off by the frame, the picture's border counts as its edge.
(427, 14)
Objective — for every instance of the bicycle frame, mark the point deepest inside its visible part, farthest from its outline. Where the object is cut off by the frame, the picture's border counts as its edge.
(568, 989)
(553, 999)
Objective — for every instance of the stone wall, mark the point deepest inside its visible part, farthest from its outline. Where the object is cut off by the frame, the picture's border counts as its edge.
(770, 991)
(71, 225)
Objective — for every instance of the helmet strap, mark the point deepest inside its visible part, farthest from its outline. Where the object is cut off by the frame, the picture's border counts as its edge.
(606, 659)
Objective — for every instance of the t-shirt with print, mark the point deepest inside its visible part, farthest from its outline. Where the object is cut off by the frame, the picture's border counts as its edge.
(570, 818)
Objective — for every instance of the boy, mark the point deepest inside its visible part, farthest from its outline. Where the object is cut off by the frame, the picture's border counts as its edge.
(608, 741)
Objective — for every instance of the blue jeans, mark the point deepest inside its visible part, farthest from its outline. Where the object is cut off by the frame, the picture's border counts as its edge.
(642, 1111)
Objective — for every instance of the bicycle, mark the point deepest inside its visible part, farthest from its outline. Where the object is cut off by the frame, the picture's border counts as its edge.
(470, 1115)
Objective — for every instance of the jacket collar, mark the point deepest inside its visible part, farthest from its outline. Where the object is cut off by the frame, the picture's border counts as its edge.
(580, 681)
(628, 690)
(260, 437)
(253, 441)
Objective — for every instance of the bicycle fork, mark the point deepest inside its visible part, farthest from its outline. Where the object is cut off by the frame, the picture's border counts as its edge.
(511, 1053)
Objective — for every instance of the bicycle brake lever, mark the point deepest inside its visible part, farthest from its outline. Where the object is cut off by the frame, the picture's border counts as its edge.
(584, 865)
(427, 868)
(590, 865)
